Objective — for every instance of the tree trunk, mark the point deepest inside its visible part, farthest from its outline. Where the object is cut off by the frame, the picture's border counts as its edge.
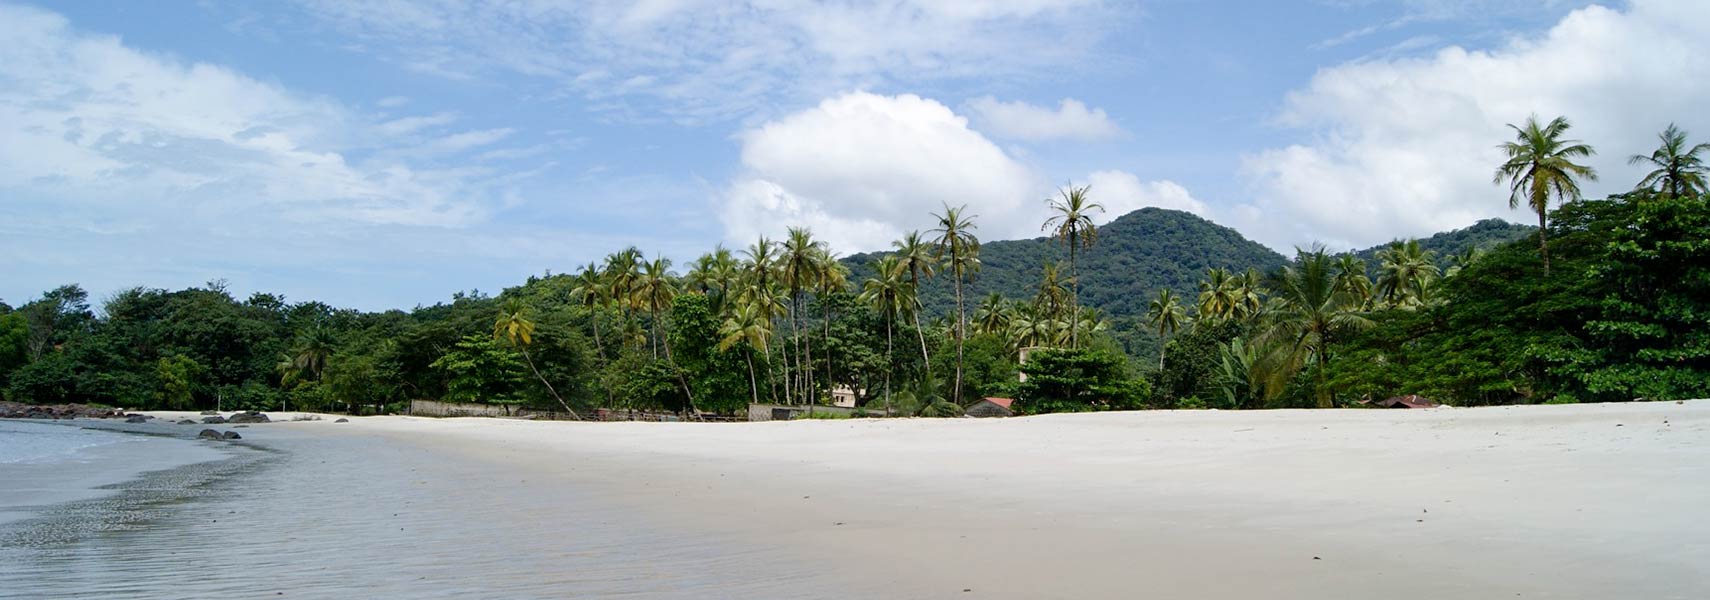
(890, 356)
(830, 382)
(1074, 297)
(753, 386)
(925, 359)
(956, 391)
(548, 385)
(600, 351)
(1543, 242)
(658, 324)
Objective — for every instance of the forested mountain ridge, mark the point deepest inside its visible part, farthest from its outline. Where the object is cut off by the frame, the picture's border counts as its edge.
(1135, 255)
(1483, 235)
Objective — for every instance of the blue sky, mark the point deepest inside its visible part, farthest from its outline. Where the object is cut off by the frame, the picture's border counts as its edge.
(386, 154)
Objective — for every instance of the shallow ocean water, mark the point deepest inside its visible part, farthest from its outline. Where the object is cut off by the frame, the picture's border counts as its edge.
(297, 514)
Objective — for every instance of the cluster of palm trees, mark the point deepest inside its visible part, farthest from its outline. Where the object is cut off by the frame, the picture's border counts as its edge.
(767, 292)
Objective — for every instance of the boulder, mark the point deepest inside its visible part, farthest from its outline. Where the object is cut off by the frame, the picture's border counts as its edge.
(247, 417)
(136, 419)
(214, 420)
(210, 412)
(232, 435)
(342, 420)
(186, 422)
(209, 434)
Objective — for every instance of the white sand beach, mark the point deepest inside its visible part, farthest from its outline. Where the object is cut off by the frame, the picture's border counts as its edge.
(1586, 501)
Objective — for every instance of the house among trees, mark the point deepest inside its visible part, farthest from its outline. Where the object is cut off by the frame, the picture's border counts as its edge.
(992, 407)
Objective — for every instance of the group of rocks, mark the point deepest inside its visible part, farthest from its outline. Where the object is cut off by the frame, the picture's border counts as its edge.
(15, 410)
(242, 418)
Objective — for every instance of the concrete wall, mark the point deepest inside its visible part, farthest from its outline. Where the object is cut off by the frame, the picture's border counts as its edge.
(784, 412)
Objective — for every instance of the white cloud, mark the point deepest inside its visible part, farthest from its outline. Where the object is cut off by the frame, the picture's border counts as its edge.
(1406, 147)
(1020, 120)
(860, 169)
(695, 60)
(1121, 192)
(408, 125)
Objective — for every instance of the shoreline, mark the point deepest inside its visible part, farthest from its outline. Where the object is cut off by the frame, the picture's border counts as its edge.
(1587, 501)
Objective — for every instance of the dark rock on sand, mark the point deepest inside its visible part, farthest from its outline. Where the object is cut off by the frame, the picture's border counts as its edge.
(186, 422)
(18, 410)
(247, 417)
(214, 420)
(232, 435)
(209, 434)
(342, 420)
(210, 412)
(137, 419)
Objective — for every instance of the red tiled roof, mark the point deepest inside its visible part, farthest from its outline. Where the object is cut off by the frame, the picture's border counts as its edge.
(1004, 402)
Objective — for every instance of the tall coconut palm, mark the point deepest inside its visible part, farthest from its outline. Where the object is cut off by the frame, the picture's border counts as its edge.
(622, 269)
(1166, 316)
(514, 325)
(1311, 311)
(1679, 170)
(1071, 222)
(313, 350)
(591, 292)
(885, 291)
(1217, 295)
(992, 316)
(1405, 272)
(1249, 294)
(959, 250)
(1351, 278)
(800, 266)
(748, 324)
(914, 256)
(1540, 166)
(1053, 298)
(833, 280)
(654, 291)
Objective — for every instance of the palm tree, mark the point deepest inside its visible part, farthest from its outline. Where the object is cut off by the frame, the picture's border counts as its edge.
(1311, 310)
(885, 292)
(914, 256)
(1679, 170)
(833, 280)
(1405, 272)
(654, 291)
(1540, 165)
(592, 293)
(1166, 315)
(992, 316)
(1217, 295)
(747, 324)
(1052, 300)
(621, 273)
(514, 325)
(1249, 294)
(1463, 259)
(1072, 223)
(801, 271)
(314, 348)
(959, 250)
(1351, 278)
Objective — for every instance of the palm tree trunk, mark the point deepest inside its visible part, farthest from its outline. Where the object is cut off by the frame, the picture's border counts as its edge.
(1074, 296)
(753, 386)
(600, 351)
(890, 355)
(1544, 242)
(957, 389)
(549, 388)
(829, 384)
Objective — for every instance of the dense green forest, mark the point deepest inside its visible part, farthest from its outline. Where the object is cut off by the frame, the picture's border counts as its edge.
(1609, 300)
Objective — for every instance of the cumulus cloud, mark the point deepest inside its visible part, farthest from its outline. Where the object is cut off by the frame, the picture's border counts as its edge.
(1406, 146)
(1020, 120)
(696, 61)
(1122, 192)
(861, 168)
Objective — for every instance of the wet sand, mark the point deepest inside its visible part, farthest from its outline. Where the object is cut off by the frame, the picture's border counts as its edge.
(1595, 501)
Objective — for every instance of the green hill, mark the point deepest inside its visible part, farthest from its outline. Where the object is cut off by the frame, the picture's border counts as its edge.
(1136, 254)
(1483, 235)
